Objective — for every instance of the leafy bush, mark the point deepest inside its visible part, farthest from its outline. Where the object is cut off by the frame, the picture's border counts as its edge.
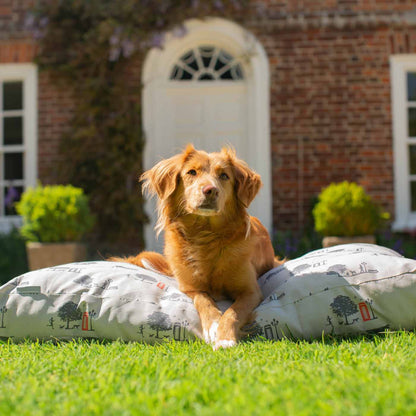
(54, 214)
(13, 261)
(344, 209)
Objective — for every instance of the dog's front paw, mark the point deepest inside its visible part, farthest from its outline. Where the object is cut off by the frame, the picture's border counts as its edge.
(224, 343)
(210, 334)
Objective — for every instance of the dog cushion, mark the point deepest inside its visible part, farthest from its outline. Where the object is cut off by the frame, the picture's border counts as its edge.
(346, 289)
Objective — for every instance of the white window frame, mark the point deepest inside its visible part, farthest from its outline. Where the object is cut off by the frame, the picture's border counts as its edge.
(27, 74)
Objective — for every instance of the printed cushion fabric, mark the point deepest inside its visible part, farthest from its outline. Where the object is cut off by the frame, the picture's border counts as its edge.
(348, 289)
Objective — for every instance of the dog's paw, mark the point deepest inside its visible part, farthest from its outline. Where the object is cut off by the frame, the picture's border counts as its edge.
(224, 343)
(210, 334)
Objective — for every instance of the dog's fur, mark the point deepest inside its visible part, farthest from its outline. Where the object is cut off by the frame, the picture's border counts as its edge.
(212, 246)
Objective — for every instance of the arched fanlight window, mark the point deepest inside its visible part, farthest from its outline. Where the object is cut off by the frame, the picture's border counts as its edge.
(207, 63)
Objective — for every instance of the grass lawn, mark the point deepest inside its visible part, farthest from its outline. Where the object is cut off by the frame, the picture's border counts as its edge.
(357, 376)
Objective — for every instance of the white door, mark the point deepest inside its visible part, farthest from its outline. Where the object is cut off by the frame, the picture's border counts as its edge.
(206, 95)
(208, 116)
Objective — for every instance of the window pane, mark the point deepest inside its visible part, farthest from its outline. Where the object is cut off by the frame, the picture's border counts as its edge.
(216, 61)
(412, 121)
(413, 196)
(190, 60)
(206, 55)
(12, 195)
(206, 77)
(412, 159)
(13, 95)
(13, 166)
(13, 130)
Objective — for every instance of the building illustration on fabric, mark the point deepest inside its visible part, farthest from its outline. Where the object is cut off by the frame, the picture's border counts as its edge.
(87, 281)
(3, 311)
(263, 328)
(342, 270)
(270, 330)
(180, 330)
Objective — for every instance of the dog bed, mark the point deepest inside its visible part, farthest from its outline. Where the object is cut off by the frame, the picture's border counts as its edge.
(348, 289)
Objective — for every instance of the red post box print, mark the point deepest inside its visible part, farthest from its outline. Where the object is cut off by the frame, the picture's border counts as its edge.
(365, 313)
(85, 317)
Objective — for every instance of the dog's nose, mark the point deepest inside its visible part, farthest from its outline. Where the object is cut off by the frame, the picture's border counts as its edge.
(210, 190)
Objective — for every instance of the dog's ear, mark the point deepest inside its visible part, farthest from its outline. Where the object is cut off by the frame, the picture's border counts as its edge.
(162, 179)
(247, 181)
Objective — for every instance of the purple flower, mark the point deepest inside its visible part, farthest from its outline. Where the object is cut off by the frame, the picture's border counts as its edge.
(29, 23)
(11, 196)
(157, 40)
(179, 31)
(218, 4)
(128, 47)
(115, 37)
(44, 22)
(114, 54)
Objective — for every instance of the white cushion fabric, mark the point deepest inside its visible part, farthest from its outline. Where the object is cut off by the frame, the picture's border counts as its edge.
(346, 289)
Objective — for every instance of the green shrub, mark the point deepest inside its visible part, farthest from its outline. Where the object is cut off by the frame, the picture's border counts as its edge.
(13, 261)
(54, 214)
(344, 209)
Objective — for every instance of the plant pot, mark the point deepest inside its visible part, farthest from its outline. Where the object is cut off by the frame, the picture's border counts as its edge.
(334, 241)
(41, 255)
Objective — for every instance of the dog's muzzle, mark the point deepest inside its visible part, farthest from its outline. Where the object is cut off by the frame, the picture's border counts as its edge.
(210, 201)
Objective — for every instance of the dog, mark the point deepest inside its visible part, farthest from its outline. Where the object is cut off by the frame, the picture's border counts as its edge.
(212, 247)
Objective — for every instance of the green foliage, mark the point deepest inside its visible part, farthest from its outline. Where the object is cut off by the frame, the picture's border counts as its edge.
(97, 48)
(54, 214)
(13, 261)
(291, 245)
(344, 209)
(403, 243)
(356, 376)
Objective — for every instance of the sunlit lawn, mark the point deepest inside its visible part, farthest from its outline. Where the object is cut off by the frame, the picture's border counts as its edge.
(357, 376)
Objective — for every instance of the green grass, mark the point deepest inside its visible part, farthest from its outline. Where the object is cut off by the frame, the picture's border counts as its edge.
(360, 376)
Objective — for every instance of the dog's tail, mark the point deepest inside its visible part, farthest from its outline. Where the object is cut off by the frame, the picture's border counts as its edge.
(149, 260)
(279, 261)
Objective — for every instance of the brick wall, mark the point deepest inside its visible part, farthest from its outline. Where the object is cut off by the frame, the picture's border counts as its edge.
(330, 93)
(330, 96)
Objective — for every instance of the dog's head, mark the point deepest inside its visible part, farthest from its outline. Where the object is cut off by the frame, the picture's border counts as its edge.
(199, 183)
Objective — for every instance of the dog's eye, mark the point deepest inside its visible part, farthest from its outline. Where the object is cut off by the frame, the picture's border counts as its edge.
(224, 176)
(192, 172)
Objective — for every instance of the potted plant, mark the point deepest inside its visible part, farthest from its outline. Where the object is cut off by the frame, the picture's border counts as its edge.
(55, 218)
(345, 214)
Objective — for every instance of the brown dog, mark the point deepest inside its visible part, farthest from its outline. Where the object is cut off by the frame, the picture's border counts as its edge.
(212, 246)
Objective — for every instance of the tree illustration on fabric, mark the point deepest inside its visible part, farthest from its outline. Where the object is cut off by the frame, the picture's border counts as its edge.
(159, 321)
(343, 306)
(252, 330)
(3, 310)
(69, 312)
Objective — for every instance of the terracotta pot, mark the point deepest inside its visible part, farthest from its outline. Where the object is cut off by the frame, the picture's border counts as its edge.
(334, 241)
(41, 255)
